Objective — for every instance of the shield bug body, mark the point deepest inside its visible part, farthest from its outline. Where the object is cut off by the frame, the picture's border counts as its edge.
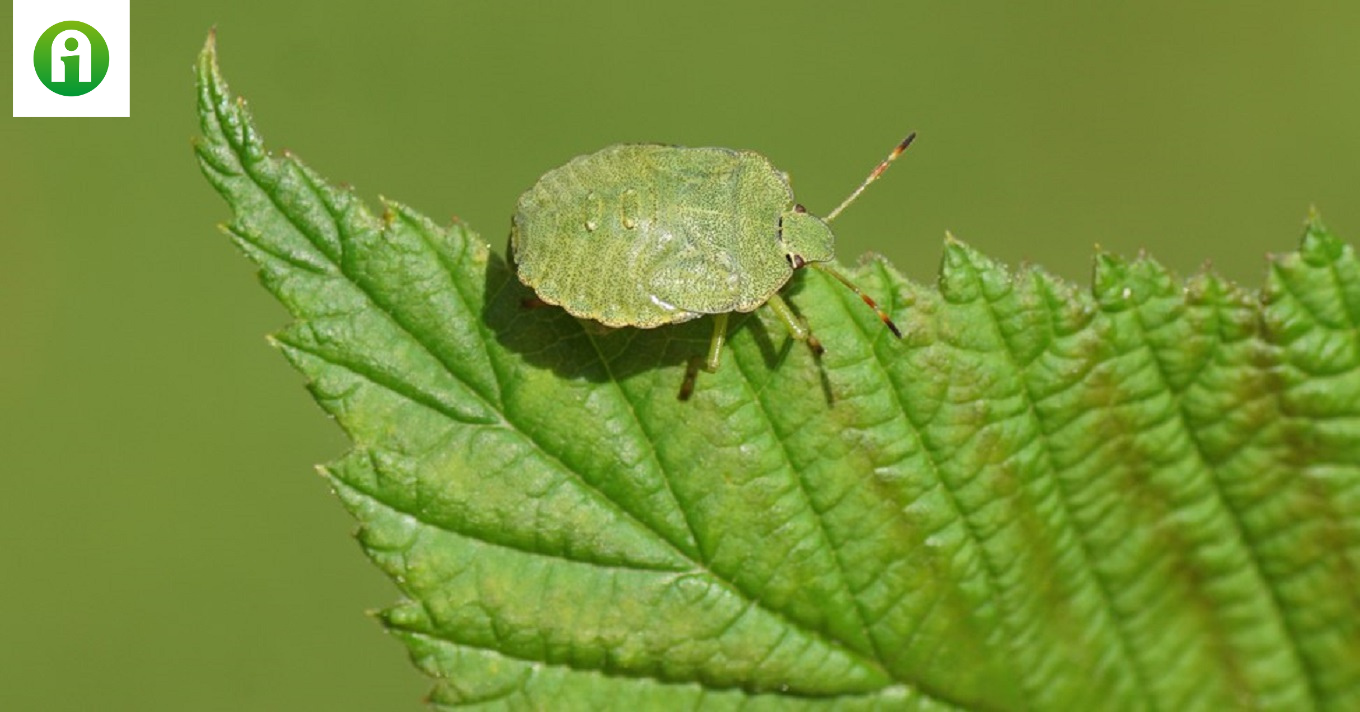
(643, 235)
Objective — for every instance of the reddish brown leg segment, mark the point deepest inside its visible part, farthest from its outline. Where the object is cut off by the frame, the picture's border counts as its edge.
(882, 315)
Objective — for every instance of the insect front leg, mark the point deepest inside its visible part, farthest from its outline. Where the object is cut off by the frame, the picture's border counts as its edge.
(709, 363)
(796, 325)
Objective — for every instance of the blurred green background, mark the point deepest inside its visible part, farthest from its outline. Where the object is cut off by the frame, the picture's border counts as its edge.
(165, 545)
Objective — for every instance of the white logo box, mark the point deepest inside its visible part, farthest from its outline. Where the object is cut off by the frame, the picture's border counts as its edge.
(113, 96)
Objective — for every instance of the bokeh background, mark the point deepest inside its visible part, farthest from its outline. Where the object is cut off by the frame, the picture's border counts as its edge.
(163, 543)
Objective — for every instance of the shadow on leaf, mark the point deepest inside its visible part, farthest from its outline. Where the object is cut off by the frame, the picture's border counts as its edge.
(573, 348)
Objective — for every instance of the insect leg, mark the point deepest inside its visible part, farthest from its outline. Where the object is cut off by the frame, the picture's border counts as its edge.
(796, 325)
(711, 362)
(882, 315)
(716, 343)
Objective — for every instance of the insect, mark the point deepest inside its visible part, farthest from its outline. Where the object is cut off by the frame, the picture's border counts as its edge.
(643, 235)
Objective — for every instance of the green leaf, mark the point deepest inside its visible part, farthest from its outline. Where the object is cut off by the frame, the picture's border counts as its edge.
(1144, 496)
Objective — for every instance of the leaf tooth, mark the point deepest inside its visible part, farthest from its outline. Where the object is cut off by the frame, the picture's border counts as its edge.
(1146, 280)
(216, 158)
(1210, 287)
(1110, 283)
(960, 278)
(1314, 220)
(406, 615)
(1273, 290)
(1320, 247)
(869, 257)
(401, 211)
(252, 145)
(1203, 288)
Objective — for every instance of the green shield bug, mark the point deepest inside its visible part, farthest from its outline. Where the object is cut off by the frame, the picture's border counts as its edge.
(644, 235)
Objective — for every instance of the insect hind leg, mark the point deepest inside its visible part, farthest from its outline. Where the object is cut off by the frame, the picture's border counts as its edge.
(711, 361)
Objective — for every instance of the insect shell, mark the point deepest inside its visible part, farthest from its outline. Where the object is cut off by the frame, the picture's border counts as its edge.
(643, 235)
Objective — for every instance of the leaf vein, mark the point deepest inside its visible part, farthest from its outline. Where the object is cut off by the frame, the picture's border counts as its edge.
(692, 548)
(501, 545)
(796, 476)
(1224, 503)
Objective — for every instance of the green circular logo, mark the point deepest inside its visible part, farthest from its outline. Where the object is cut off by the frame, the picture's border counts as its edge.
(71, 58)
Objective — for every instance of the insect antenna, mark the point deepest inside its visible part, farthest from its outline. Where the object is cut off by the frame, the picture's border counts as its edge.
(873, 176)
(882, 315)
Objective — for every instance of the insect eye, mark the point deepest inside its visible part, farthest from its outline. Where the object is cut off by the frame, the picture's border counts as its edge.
(798, 208)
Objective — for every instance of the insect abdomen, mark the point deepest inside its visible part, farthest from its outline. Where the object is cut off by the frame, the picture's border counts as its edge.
(585, 237)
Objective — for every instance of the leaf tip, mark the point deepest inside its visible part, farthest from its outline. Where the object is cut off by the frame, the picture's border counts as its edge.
(207, 57)
(210, 44)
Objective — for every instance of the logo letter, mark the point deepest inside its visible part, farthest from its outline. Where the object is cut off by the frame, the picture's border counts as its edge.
(71, 43)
